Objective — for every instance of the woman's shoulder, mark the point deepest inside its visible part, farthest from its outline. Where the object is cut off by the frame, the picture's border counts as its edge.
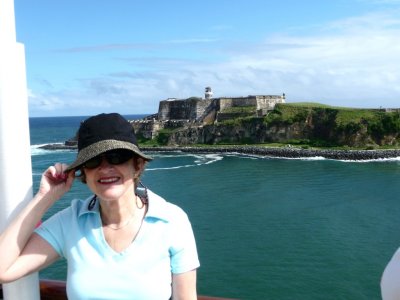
(162, 209)
(78, 207)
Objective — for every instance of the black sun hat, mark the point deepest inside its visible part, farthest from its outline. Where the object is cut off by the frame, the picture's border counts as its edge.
(102, 133)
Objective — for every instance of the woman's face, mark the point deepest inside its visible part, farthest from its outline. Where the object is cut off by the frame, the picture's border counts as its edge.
(113, 181)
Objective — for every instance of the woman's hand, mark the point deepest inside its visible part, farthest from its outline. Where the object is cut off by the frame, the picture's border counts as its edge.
(21, 251)
(55, 183)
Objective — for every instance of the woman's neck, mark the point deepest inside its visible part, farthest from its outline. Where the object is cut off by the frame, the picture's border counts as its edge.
(120, 211)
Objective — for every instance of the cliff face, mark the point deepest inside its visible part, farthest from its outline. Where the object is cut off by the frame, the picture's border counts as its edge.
(251, 133)
(308, 123)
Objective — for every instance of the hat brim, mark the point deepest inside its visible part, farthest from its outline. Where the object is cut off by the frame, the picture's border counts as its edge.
(100, 147)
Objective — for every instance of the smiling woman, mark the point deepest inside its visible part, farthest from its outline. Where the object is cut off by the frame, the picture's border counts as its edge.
(103, 236)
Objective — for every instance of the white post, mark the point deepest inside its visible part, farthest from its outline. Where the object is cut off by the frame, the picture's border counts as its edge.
(15, 156)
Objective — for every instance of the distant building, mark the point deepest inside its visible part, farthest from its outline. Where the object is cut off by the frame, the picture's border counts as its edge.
(208, 93)
(180, 113)
(197, 109)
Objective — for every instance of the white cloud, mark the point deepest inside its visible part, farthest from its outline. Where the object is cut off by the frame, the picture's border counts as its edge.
(352, 62)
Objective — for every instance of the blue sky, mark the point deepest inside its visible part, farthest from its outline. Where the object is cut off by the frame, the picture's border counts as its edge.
(92, 56)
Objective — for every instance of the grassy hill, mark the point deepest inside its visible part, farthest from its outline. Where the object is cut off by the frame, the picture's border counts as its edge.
(320, 125)
(324, 125)
(303, 124)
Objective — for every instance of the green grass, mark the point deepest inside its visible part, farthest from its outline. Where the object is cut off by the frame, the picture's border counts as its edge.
(320, 105)
(291, 112)
(237, 121)
(306, 105)
(355, 116)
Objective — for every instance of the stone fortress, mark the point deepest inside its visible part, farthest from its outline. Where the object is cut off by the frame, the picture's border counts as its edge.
(180, 113)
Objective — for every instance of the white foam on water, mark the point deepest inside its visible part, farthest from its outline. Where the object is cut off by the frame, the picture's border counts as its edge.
(200, 160)
(36, 150)
(209, 159)
(391, 159)
(159, 154)
(314, 158)
(170, 168)
(257, 156)
(311, 158)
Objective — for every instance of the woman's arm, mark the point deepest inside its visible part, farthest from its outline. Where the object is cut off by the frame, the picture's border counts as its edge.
(184, 286)
(22, 251)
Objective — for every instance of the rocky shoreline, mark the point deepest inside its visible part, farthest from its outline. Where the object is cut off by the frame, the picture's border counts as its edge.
(285, 152)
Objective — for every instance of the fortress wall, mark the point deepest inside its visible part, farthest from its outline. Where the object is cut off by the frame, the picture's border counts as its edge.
(225, 103)
(172, 124)
(237, 102)
(178, 109)
(187, 109)
(268, 102)
(201, 107)
(163, 110)
(147, 128)
(195, 108)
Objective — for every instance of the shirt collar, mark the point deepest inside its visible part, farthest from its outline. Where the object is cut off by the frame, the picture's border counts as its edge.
(158, 207)
(90, 205)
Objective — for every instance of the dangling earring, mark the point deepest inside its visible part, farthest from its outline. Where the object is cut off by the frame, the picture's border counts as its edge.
(141, 192)
(92, 202)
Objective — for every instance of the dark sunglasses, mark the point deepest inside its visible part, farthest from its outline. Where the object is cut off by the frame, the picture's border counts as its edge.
(113, 157)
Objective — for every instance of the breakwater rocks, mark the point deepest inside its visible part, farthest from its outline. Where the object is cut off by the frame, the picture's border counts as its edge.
(58, 146)
(287, 152)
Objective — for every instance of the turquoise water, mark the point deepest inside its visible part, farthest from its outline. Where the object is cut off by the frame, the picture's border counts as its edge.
(268, 228)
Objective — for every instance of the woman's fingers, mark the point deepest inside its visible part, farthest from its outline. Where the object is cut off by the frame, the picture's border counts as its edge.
(59, 171)
(56, 173)
(55, 182)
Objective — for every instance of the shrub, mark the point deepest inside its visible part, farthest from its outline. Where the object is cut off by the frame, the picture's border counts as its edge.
(163, 136)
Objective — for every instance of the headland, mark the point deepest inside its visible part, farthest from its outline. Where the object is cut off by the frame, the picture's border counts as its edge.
(267, 119)
(251, 124)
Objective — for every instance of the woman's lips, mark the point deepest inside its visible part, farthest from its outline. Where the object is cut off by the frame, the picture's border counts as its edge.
(108, 180)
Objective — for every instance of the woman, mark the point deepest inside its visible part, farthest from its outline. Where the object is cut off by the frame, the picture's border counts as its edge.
(123, 242)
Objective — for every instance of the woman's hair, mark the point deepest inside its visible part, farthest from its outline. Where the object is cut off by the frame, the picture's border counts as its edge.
(139, 164)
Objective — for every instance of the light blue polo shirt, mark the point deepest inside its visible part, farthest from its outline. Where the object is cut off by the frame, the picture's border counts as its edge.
(165, 244)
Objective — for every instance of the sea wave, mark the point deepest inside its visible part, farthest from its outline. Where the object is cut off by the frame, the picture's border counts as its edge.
(291, 153)
(389, 159)
(316, 158)
(312, 158)
(37, 150)
(170, 155)
(257, 156)
(208, 159)
(200, 160)
(249, 156)
(304, 158)
(170, 168)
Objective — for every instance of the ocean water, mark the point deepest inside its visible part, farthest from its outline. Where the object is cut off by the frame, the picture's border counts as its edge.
(266, 228)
